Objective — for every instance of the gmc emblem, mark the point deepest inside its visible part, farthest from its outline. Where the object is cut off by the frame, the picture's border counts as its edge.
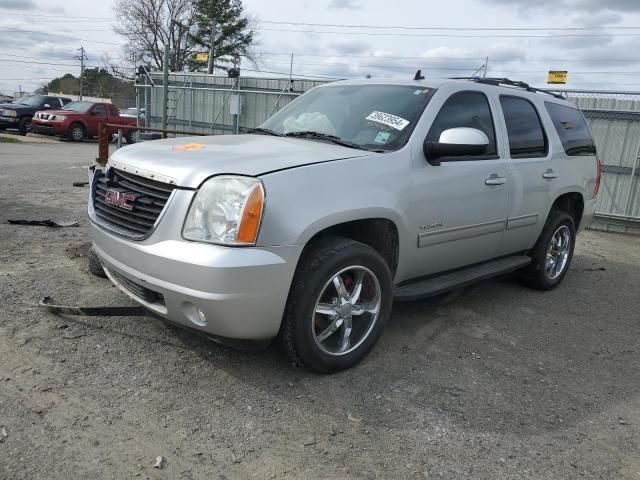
(119, 199)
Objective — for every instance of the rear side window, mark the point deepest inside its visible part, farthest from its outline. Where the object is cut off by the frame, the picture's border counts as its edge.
(99, 110)
(465, 109)
(524, 129)
(572, 129)
(113, 111)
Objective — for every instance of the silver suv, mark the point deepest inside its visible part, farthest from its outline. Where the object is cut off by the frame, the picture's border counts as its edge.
(357, 194)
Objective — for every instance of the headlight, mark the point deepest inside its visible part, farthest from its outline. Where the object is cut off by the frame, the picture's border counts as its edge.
(227, 210)
(9, 113)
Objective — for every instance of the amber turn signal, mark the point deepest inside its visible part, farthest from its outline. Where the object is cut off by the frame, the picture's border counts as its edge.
(251, 216)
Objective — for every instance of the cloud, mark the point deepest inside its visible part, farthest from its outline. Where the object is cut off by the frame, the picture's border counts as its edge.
(598, 19)
(352, 47)
(345, 4)
(576, 6)
(18, 5)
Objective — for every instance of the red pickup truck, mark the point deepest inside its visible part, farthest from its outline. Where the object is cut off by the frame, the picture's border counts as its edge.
(79, 120)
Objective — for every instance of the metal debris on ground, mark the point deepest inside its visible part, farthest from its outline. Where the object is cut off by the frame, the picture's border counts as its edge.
(123, 311)
(44, 223)
(159, 462)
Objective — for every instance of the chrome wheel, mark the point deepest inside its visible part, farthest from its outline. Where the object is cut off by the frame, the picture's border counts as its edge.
(346, 310)
(558, 252)
(77, 133)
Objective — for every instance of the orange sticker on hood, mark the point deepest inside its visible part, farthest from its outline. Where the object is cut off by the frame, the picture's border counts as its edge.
(187, 147)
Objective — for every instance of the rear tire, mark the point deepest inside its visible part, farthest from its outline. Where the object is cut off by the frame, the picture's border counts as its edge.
(552, 254)
(328, 329)
(76, 132)
(95, 266)
(24, 126)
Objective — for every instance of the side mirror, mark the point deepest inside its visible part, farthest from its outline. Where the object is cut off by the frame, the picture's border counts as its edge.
(456, 142)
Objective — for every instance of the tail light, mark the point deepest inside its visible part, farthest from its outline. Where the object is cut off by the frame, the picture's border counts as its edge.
(596, 189)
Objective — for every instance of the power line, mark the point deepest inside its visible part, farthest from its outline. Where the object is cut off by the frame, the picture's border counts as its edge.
(54, 16)
(57, 35)
(449, 35)
(457, 28)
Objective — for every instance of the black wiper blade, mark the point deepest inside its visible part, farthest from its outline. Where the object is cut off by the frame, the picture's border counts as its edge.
(326, 136)
(267, 131)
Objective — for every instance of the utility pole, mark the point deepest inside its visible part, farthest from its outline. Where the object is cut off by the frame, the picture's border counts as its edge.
(165, 85)
(211, 48)
(82, 58)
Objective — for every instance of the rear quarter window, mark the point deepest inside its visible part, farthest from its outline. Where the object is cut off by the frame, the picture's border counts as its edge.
(572, 129)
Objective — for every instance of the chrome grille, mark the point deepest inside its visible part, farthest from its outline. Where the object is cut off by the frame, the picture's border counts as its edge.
(149, 199)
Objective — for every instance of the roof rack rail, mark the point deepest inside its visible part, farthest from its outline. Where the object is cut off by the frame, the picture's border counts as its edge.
(510, 83)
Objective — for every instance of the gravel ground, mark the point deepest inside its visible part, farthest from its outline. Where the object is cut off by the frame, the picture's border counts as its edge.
(495, 381)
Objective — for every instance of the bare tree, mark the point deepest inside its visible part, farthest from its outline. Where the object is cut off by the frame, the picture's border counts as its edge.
(149, 25)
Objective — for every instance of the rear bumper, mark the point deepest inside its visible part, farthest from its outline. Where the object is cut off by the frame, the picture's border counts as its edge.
(237, 293)
(587, 214)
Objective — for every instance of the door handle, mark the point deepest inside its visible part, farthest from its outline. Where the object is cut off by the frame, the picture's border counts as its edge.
(494, 179)
(549, 174)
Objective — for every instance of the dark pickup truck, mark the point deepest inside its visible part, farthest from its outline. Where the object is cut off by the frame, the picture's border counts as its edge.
(19, 113)
(80, 120)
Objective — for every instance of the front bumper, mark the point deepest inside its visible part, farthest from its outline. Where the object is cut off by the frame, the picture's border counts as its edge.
(231, 292)
(9, 121)
(47, 128)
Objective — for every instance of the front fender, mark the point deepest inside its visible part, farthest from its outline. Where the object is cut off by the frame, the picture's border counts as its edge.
(303, 201)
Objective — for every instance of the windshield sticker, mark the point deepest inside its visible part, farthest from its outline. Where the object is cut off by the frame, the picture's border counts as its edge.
(418, 92)
(393, 121)
(187, 147)
(382, 137)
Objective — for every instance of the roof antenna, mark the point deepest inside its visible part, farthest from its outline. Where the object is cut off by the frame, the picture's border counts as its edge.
(418, 75)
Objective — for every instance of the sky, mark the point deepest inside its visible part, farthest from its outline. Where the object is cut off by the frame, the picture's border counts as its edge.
(597, 42)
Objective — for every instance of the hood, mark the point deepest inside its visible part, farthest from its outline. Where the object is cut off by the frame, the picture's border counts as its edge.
(15, 106)
(66, 113)
(191, 160)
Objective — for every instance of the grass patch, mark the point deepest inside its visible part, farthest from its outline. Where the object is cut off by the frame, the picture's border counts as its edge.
(9, 140)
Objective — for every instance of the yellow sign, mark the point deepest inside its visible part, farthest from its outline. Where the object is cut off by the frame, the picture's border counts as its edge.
(557, 77)
(202, 57)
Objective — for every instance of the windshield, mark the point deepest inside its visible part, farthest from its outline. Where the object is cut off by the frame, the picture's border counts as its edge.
(82, 107)
(30, 100)
(369, 116)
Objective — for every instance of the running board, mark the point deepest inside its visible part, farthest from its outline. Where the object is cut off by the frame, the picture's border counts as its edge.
(460, 278)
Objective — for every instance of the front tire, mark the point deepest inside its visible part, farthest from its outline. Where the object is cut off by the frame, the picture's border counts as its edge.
(552, 254)
(24, 126)
(95, 267)
(76, 132)
(338, 305)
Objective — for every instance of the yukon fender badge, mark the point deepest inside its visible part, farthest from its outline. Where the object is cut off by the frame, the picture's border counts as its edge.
(431, 226)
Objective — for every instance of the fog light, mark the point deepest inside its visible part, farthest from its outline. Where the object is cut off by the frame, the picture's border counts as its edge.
(194, 314)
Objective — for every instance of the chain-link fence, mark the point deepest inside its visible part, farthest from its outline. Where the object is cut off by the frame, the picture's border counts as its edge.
(615, 121)
(217, 105)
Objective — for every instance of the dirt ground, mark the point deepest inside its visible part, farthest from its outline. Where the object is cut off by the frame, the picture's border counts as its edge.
(496, 381)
